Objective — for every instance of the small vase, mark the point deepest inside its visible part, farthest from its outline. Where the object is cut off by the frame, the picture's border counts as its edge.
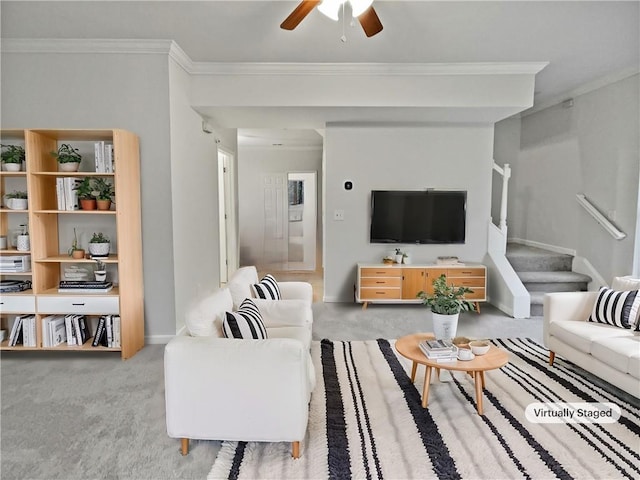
(445, 326)
(68, 167)
(88, 203)
(77, 254)
(103, 204)
(23, 243)
(101, 275)
(99, 250)
(11, 167)
(398, 258)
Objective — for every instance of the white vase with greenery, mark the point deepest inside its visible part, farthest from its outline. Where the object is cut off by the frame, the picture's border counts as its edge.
(446, 302)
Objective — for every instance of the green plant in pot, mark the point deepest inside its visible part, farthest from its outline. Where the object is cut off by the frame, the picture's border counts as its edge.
(99, 245)
(68, 157)
(12, 157)
(103, 192)
(85, 189)
(75, 251)
(446, 302)
(16, 200)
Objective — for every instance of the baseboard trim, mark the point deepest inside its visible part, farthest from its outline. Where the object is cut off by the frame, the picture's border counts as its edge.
(162, 339)
(545, 246)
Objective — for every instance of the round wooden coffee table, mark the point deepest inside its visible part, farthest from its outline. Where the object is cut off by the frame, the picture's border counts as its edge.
(408, 348)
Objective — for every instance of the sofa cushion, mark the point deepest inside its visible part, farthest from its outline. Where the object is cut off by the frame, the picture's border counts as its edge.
(245, 323)
(580, 335)
(617, 352)
(634, 364)
(267, 289)
(204, 317)
(616, 308)
(239, 284)
(303, 334)
(625, 283)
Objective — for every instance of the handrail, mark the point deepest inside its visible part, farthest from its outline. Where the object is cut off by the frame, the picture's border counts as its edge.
(600, 218)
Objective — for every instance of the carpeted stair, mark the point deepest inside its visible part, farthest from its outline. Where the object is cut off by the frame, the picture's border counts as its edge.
(543, 271)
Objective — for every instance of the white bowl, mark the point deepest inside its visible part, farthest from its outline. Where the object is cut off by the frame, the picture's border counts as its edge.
(479, 347)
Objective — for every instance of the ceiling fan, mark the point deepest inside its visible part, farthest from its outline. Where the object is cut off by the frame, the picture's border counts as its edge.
(361, 9)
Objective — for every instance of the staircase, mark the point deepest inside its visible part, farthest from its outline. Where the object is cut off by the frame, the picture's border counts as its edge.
(543, 271)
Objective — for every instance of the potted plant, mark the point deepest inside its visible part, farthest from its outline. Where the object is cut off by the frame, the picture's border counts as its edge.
(99, 245)
(75, 251)
(69, 158)
(102, 191)
(446, 302)
(85, 191)
(12, 157)
(16, 200)
(101, 271)
(398, 255)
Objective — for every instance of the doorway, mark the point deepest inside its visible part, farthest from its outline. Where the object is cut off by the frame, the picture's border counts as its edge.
(302, 216)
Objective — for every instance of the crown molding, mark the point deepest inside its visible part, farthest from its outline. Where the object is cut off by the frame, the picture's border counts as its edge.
(81, 45)
(582, 89)
(171, 48)
(392, 69)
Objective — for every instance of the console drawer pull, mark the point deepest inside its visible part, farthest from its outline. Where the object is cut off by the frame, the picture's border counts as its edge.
(78, 304)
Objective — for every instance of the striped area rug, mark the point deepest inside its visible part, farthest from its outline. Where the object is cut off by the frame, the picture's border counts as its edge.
(366, 422)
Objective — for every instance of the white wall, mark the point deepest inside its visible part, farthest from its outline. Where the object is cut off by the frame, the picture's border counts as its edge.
(128, 91)
(409, 158)
(253, 162)
(194, 181)
(590, 148)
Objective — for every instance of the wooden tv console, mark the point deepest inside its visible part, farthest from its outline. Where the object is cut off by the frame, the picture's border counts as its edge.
(399, 283)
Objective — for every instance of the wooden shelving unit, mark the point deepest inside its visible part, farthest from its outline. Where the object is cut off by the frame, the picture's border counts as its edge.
(48, 254)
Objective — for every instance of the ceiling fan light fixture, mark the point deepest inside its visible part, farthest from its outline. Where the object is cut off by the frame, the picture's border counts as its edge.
(330, 8)
(358, 7)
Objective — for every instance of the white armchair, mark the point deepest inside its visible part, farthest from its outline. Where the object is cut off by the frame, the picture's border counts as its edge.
(242, 390)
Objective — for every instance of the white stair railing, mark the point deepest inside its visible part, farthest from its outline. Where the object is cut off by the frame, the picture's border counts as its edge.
(600, 218)
(506, 175)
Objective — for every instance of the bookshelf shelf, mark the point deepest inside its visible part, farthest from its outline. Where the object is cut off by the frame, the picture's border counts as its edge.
(50, 228)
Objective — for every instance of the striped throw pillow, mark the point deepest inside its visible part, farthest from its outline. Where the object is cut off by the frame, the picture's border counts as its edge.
(619, 309)
(245, 323)
(267, 289)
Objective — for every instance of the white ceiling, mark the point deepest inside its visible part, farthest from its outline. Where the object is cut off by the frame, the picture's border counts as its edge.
(583, 41)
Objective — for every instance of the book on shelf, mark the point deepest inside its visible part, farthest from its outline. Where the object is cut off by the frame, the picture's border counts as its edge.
(79, 286)
(62, 205)
(81, 329)
(15, 263)
(448, 261)
(71, 334)
(103, 155)
(15, 338)
(99, 338)
(107, 332)
(54, 331)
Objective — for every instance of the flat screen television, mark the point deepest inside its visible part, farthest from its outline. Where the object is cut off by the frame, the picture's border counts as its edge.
(427, 216)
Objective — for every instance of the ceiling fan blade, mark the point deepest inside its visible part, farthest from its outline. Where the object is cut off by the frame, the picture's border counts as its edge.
(298, 14)
(370, 22)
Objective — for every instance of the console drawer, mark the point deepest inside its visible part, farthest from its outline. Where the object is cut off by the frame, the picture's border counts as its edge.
(17, 303)
(467, 282)
(466, 272)
(79, 304)
(380, 293)
(478, 294)
(380, 282)
(380, 272)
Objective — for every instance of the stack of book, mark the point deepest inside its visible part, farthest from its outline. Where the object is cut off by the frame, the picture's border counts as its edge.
(107, 332)
(440, 351)
(66, 193)
(15, 263)
(104, 157)
(54, 331)
(82, 287)
(11, 286)
(77, 329)
(23, 331)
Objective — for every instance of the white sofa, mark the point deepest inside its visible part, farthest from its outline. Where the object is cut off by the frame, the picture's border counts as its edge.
(218, 388)
(608, 352)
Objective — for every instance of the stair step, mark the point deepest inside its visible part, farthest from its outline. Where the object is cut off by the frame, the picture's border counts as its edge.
(554, 281)
(529, 259)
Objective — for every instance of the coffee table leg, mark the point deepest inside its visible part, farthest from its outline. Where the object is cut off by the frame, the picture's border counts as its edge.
(482, 377)
(414, 367)
(477, 378)
(425, 389)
